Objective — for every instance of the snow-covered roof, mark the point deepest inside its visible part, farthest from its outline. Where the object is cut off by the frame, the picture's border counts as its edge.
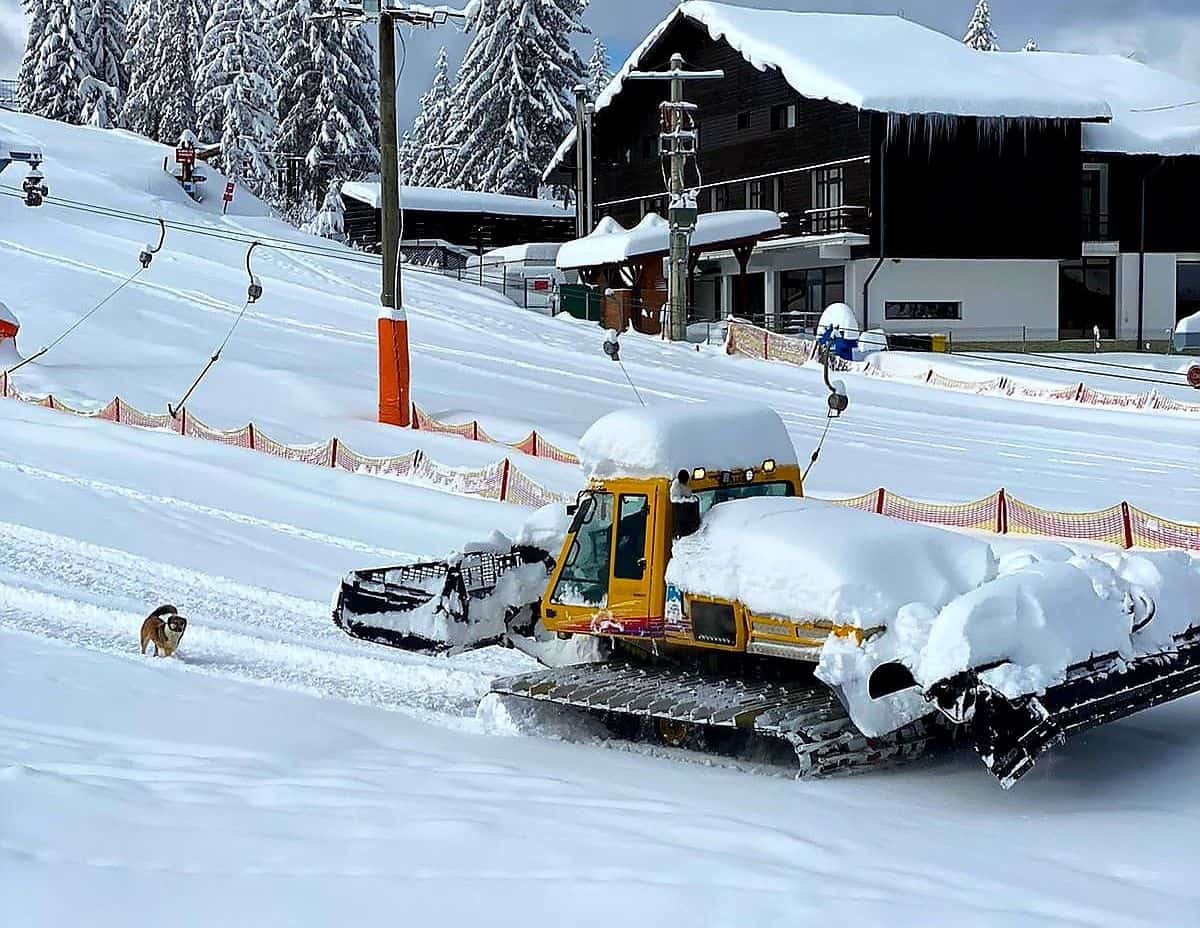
(1153, 112)
(444, 200)
(6, 315)
(17, 146)
(661, 440)
(880, 63)
(540, 252)
(612, 243)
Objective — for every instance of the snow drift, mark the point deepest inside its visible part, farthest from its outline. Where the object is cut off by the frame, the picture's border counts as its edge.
(938, 602)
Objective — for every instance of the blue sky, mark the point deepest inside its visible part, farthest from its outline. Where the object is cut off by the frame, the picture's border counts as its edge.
(1165, 33)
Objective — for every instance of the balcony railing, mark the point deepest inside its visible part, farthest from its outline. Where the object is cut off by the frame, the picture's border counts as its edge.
(830, 220)
(8, 95)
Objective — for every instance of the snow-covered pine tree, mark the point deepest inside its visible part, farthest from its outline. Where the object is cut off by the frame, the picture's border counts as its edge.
(407, 157)
(430, 138)
(330, 220)
(979, 35)
(599, 71)
(327, 93)
(511, 101)
(235, 101)
(35, 13)
(107, 30)
(164, 43)
(58, 60)
(1032, 46)
(100, 103)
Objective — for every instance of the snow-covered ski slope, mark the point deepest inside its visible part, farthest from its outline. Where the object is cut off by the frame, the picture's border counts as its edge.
(302, 364)
(279, 773)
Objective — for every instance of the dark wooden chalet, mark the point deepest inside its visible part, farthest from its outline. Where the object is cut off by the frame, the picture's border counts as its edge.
(919, 210)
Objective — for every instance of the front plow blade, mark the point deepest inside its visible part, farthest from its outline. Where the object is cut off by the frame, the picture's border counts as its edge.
(1010, 735)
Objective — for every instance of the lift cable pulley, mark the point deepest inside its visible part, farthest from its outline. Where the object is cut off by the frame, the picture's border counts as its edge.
(144, 260)
(254, 292)
(838, 401)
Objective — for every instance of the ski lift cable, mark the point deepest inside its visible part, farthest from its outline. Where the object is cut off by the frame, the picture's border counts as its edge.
(1079, 360)
(265, 241)
(1072, 370)
(144, 260)
(253, 294)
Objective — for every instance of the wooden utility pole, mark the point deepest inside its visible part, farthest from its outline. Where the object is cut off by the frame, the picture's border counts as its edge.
(677, 142)
(389, 170)
(395, 402)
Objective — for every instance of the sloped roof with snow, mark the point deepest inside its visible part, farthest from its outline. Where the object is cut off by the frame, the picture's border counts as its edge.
(880, 63)
(612, 243)
(1153, 112)
(444, 200)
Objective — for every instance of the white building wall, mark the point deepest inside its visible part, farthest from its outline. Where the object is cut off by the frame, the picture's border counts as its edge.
(1160, 293)
(1001, 300)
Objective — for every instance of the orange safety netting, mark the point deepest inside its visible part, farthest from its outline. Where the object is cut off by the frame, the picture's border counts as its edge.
(758, 343)
(501, 481)
(1122, 525)
(532, 444)
(868, 502)
(985, 514)
(1151, 531)
(1107, 525)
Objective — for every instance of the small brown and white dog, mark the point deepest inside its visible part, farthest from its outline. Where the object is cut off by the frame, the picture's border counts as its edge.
(163, 628)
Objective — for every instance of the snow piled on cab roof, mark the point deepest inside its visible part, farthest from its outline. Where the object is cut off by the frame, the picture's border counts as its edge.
(661, 440)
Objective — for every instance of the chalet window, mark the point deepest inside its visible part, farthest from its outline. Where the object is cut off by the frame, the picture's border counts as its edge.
(829, 196)
(1095, 203)
(923, 309)
(743, 120)
(761, 193)
(784, 116)
(729, 196)
(806, 293)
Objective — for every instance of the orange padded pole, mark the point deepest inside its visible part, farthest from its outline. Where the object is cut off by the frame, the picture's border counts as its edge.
(394, 395)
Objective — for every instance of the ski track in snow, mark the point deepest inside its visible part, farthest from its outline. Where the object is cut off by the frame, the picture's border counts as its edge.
(96, 597)
(103, 487)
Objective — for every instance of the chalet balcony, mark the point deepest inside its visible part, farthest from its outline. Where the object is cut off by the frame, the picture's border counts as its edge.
(1096, 227)
(832, 220)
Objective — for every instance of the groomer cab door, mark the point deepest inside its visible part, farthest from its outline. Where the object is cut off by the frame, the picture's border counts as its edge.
(635, 596)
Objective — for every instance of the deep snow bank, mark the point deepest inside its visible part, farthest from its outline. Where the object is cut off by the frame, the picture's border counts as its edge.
(946, 601)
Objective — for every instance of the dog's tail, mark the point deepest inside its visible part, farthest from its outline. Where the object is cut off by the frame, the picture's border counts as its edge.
(163, 611)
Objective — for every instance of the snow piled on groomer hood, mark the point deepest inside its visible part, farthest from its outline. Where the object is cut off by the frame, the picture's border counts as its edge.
(947, 601)
(661, 440)
(884, 64)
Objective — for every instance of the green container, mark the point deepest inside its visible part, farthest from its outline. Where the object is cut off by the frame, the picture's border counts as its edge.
(580, 301)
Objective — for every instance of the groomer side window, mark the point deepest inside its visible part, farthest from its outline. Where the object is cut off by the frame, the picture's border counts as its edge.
(630, 560)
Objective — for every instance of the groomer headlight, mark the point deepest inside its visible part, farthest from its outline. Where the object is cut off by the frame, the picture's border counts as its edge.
(699, 473)
(769, 466)
(749, 475)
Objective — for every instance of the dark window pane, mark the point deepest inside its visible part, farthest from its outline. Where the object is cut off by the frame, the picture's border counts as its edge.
(630, 563)
(919, 310)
